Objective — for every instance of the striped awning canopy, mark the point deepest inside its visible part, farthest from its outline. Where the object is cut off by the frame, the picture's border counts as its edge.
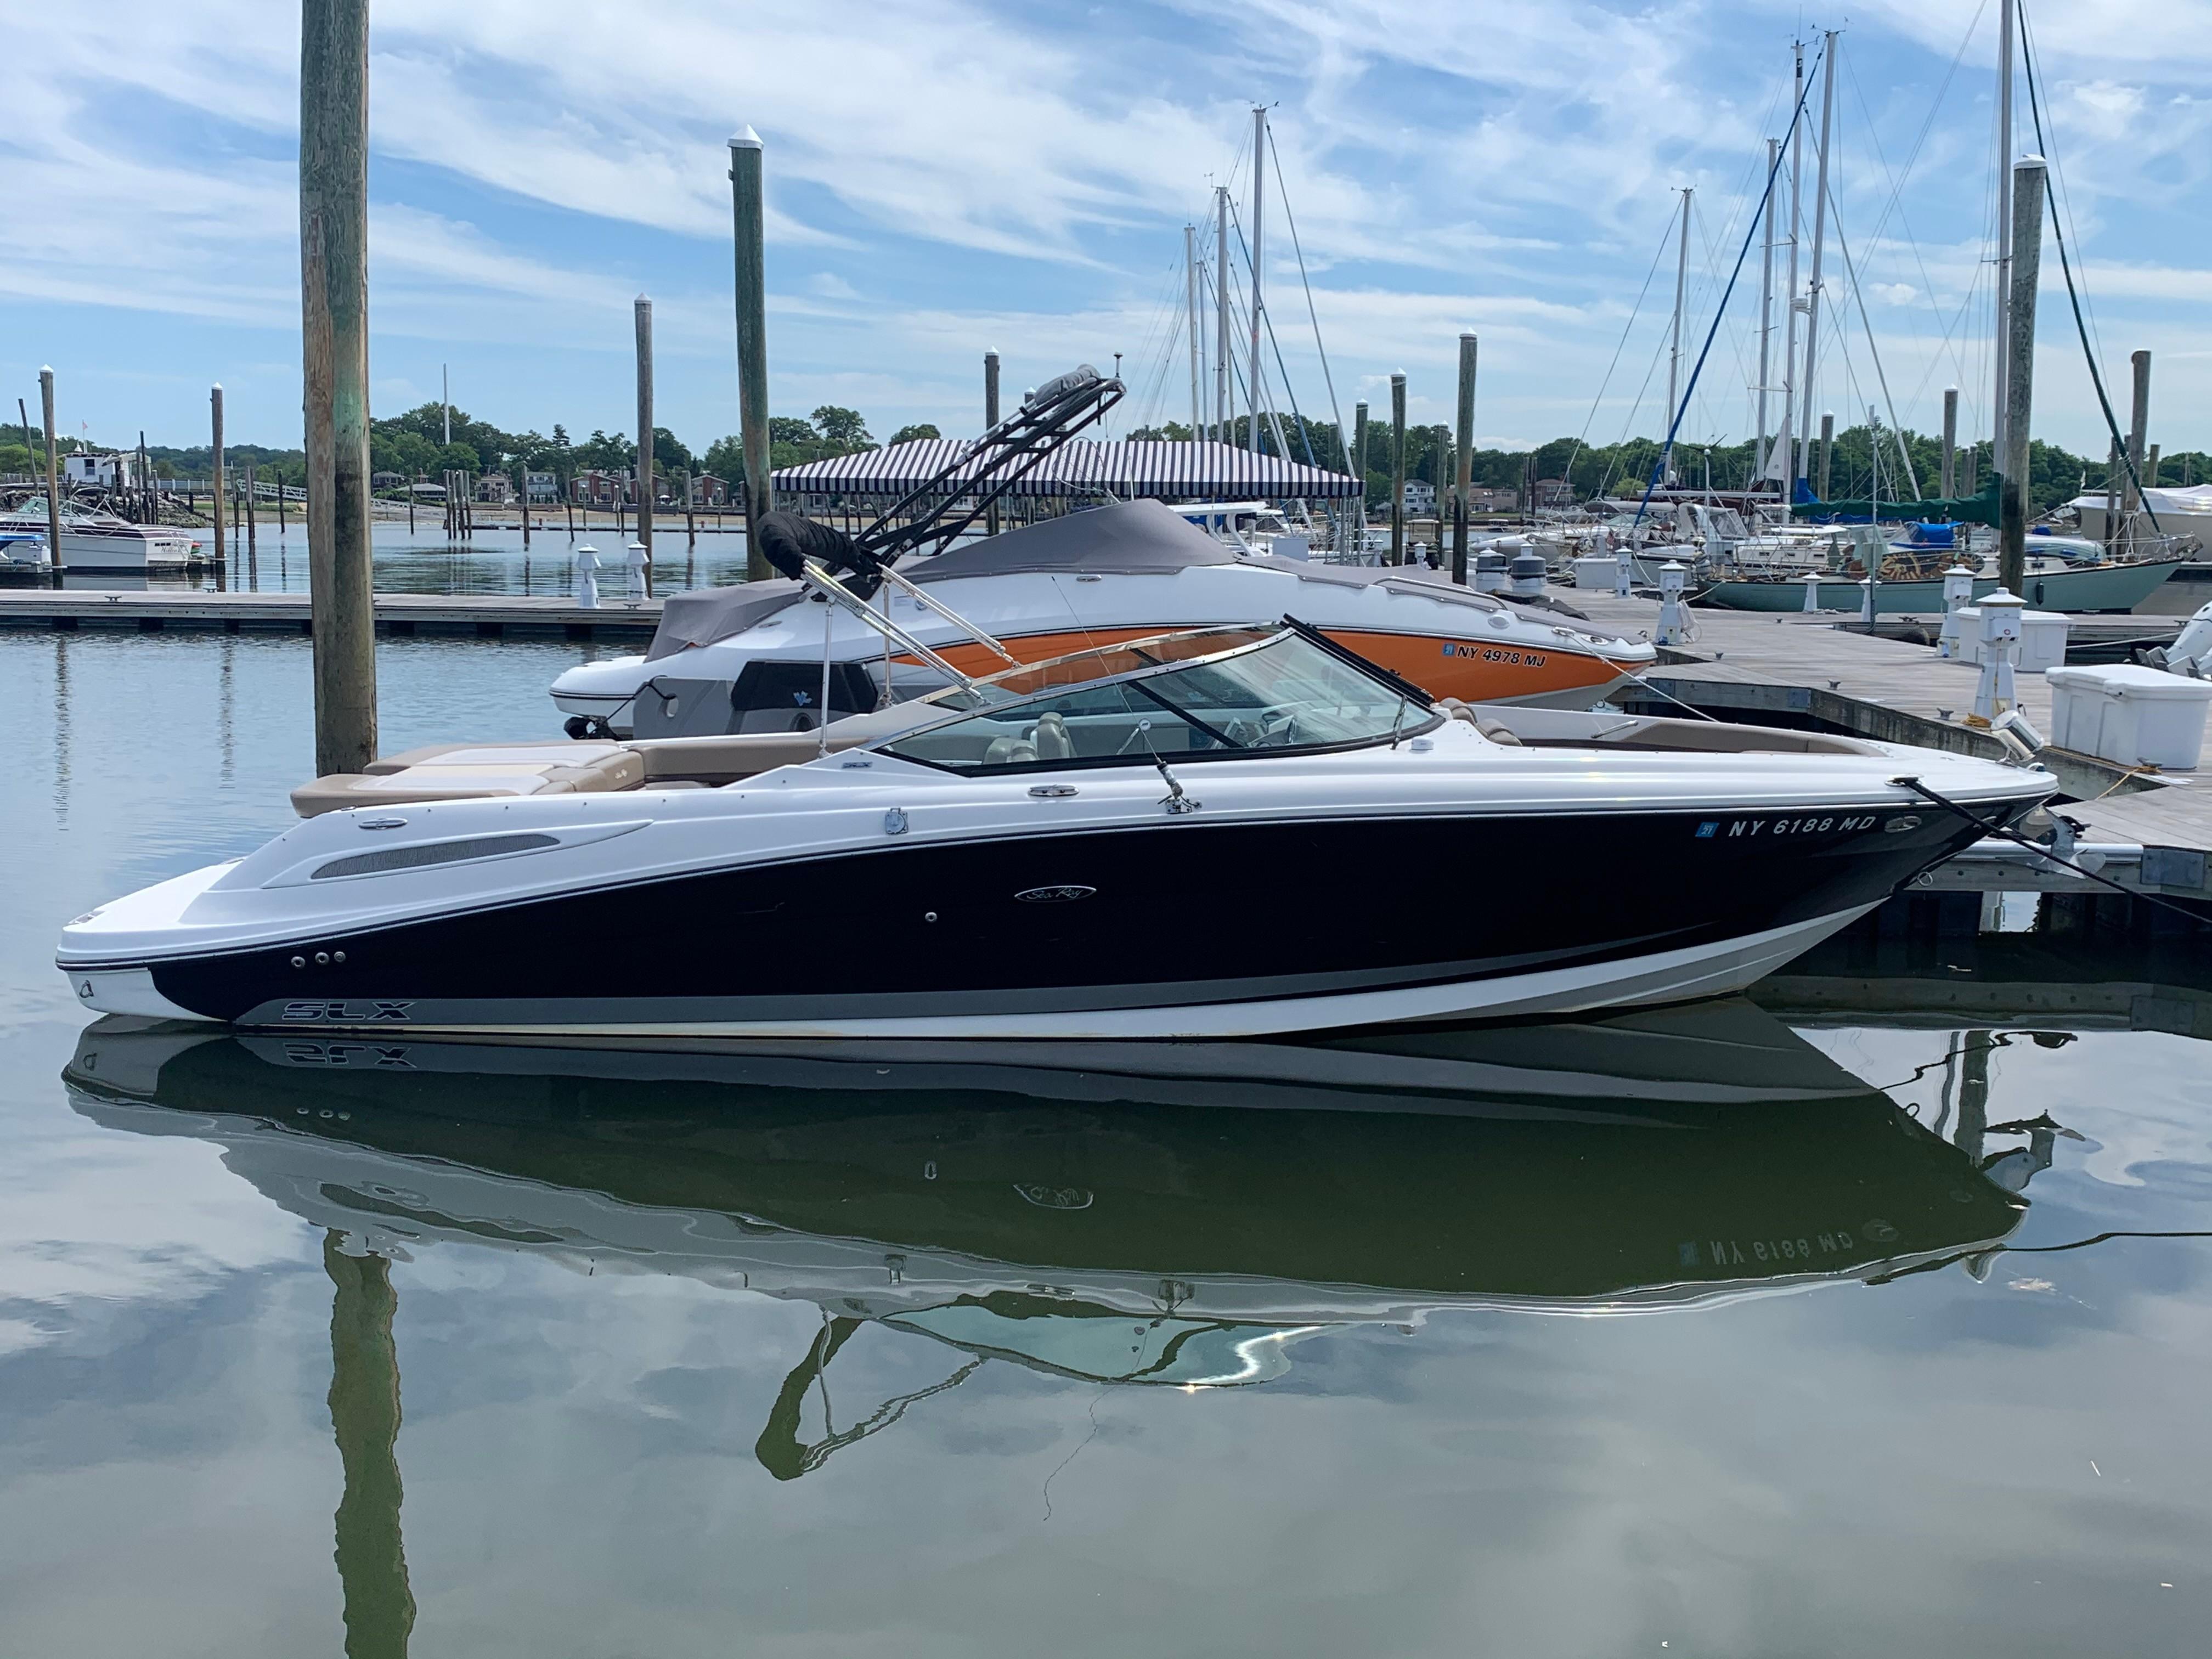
(1159, 470)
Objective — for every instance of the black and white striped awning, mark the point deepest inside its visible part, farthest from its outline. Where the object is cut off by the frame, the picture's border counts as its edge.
(1157, 469)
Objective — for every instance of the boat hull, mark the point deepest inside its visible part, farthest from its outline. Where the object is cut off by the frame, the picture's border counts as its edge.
(1226, 931)
(2103, 587)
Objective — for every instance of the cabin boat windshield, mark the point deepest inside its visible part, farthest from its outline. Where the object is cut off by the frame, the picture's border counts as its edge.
(1210, 693)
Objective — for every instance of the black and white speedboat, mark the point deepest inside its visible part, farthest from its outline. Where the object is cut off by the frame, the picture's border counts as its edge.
(1224, 832)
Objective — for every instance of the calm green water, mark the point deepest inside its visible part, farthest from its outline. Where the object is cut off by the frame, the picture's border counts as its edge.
(1757, 1331)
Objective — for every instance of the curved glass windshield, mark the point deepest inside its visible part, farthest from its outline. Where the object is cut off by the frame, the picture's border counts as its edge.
(1269, 694)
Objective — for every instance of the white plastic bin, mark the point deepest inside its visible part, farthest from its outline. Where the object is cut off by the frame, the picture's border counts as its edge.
(2129, 715)
(1601, 572)
(2042, 639)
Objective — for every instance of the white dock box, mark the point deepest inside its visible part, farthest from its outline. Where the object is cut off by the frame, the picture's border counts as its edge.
(1601, 572)
(2129, 715)
(2042, 639)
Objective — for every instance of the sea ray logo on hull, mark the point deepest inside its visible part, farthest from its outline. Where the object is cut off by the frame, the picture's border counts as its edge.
(1053, 895)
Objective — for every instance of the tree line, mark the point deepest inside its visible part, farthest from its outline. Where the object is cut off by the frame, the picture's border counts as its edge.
(413, 444)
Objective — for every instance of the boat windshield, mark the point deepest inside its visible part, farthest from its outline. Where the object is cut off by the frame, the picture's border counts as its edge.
(1213, 694)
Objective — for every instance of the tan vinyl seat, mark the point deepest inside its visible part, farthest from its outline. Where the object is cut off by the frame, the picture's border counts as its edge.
(463, 774)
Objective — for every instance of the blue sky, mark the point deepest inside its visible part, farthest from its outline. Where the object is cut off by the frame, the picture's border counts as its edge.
(951, 175)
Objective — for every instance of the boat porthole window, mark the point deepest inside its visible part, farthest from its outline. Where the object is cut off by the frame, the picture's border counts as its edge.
(299, 961)
(929, 915)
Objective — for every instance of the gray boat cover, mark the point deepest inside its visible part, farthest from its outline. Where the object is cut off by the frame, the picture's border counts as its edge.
(706, 614)
(1126, 538)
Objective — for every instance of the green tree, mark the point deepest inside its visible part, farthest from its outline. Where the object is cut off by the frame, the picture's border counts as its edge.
(725, 458)
(843, 431)
(917, 433)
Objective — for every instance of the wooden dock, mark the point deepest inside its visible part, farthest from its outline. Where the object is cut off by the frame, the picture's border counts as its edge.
(1825, 670)
(466, 615)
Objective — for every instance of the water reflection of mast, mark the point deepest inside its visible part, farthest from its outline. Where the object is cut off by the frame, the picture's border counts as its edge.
(372, 1557)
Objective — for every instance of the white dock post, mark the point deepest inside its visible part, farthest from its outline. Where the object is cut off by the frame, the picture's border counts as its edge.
(1958, 592)
(1673, 624)
(1993, 693)
(639, 562)
(1812, 580)
(585, 570)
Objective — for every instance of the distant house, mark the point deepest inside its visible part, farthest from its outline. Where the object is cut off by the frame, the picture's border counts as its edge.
(428, 492)
(1482, 499)
(542, 488)
(386, 480)
(707, 490)
(101, 472)
(595, 487)
(1554, 492)
(1420, 497)
(495, 487)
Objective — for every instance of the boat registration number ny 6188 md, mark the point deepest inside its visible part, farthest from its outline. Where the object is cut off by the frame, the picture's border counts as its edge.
(1821, 824)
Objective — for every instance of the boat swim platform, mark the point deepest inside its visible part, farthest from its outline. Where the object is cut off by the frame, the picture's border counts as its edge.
(467, 615)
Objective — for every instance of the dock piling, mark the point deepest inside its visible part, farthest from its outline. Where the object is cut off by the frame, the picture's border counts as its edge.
(53, 476)
(1950, 442)
(2138, 428)
(214, 486)
(745, 206)
(2013, 504)
(334, 334)
(645, 488)
(990, 420)
(1398, 468)
(1463, 473)
(1828, 451)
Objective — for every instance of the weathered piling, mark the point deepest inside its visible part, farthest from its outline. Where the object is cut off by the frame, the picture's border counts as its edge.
(1827, 450)
(990, 419)
(1950, 442)
(745, 207)
(2138, 429)
(334, 336)
(645, 495)
(1463, 478)
(2027, 186)
(53, 476)
(1398, 468)
(215, 487)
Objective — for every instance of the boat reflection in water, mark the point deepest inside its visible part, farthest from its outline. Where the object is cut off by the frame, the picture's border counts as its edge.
(1161, 1213)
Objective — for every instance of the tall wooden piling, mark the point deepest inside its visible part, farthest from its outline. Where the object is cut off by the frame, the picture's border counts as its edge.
(2138, 429)
(2150, 468)
(1950, 442)
(246, 480)
(215, 487)
(2013, 498)
(1464, 476)
(53, 476)
(745, 207)
(1398, 468)
(990, 419)
(1827, 450)
(645, 495)
(334, 337)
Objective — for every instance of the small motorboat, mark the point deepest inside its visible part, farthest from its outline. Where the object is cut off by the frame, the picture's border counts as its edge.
(1220, 832)
(742, 659)
(20, 549)
(747, 658)
(100, 543)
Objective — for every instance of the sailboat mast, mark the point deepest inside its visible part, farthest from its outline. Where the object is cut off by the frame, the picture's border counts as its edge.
(1221, 313)
(1674, 340)
(1766, 308)
(1820, 238)
(1785, 435)
(1190, 306)
(2004, 224)
(1259, 310)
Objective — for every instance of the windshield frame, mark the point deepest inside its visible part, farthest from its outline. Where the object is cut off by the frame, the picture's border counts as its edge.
(1412, 698)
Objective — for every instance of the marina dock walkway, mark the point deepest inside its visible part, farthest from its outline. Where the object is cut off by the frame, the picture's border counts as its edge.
(478, 616)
